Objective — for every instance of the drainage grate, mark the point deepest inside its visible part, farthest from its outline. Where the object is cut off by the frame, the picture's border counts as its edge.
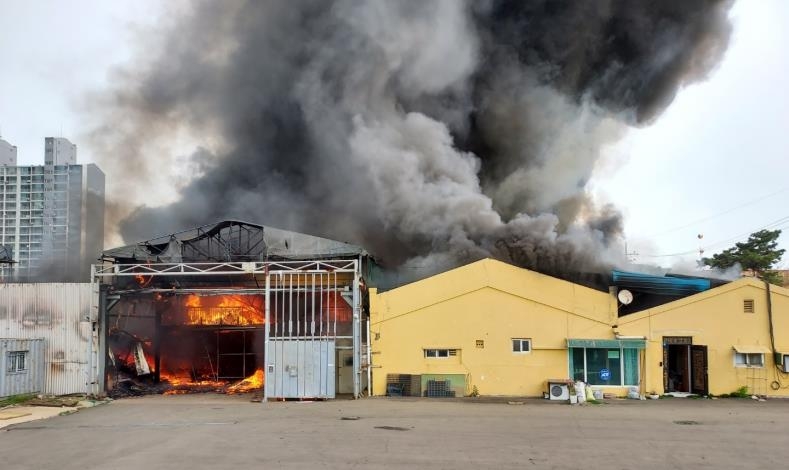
(687, 422)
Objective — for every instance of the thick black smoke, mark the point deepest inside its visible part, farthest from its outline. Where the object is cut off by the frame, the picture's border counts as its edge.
(430, 132)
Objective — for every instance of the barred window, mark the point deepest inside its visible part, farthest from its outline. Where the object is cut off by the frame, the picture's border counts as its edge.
(17, 361)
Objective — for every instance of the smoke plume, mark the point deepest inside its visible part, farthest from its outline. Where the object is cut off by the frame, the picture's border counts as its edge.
(429, 132)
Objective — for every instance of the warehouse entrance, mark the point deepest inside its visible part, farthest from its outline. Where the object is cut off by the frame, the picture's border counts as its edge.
(281, 334)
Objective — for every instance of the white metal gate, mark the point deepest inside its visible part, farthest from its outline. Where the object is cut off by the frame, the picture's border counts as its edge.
(308, 313)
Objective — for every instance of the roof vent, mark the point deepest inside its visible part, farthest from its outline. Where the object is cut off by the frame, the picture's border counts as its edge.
(747, 306)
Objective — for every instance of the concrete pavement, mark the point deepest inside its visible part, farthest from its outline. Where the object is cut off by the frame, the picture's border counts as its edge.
(229, 432)
(24, 414)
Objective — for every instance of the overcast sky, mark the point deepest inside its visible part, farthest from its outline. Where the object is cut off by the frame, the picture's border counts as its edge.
(715, 163)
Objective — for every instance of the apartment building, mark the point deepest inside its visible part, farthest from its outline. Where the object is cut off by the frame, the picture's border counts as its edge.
(52, 215)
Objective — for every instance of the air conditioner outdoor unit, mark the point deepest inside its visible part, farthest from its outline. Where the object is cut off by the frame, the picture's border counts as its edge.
(558, 391)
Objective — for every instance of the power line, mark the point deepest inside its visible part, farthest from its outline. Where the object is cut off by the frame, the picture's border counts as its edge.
(669, 255)
(727, 211)
(776, 224)
(780, 223)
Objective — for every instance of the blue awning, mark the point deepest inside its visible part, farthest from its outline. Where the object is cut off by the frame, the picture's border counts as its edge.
(607, 343)
(660, 285)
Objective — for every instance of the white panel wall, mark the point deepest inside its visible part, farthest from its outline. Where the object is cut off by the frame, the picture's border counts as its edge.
(60, 313)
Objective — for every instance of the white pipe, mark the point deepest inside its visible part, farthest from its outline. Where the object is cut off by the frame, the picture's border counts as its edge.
(369, 362)
(618, 336)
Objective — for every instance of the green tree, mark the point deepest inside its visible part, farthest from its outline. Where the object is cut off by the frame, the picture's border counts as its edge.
(759, 254)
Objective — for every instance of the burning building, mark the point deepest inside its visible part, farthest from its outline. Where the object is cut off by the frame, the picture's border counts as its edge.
(230, 307)
(432, 133)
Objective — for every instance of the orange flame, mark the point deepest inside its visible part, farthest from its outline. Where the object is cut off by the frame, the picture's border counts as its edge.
(253, 382)
(183, 385)
(235, 310)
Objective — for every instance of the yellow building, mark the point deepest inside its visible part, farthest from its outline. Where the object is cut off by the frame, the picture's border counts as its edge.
(496, 329)
(502, 329)
(716, 341)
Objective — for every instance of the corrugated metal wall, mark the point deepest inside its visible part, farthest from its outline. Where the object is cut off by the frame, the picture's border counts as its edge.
(300, 368)
(60, 313)
(26, 377)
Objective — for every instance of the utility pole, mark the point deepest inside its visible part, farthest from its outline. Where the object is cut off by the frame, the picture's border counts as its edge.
(631, 256)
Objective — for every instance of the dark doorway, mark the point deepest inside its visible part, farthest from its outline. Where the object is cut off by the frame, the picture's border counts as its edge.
(684, 365)
(676, 367)
(676, 363)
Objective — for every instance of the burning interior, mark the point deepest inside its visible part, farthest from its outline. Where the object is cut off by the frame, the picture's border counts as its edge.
(232, 308)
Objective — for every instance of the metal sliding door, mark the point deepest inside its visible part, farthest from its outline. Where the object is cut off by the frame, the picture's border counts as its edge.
(300, 369)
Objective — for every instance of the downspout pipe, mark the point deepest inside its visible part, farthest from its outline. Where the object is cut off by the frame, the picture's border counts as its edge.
(770, 314)
(776, 384)
(362, 274)
(369, 361)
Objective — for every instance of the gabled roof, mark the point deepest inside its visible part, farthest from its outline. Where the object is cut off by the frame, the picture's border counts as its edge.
(232, 240)
(703, 296)
(512, 280)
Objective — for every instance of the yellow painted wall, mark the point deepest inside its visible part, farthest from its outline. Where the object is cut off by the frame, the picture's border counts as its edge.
(715, 318)
(493, 302)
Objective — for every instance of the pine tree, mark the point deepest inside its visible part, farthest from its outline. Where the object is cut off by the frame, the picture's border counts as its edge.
(759, 254)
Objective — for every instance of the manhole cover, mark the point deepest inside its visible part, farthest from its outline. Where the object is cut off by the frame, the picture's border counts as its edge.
(392, 428)
(686, 422)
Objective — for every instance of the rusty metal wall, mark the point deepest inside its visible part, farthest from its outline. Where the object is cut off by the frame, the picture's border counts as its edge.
(26, 379)
(60, 314)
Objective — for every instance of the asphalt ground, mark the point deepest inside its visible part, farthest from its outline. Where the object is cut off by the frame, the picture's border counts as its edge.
(230, 432)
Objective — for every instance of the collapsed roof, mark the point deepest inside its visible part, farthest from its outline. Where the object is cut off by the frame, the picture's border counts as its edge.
(232, 240)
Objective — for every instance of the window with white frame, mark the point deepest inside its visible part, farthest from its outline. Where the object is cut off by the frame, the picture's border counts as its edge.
(440, 353)
(521, 345)
(749, 359)
(17, 361)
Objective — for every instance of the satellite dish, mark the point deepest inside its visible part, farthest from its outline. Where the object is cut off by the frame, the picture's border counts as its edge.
(625, 296)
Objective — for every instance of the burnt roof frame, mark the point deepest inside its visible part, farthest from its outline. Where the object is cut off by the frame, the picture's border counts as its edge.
(228, 241)
(228, 268)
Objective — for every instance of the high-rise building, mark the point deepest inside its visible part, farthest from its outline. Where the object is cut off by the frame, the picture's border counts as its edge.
(7, 153)
(59, 151)
(52, 215)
